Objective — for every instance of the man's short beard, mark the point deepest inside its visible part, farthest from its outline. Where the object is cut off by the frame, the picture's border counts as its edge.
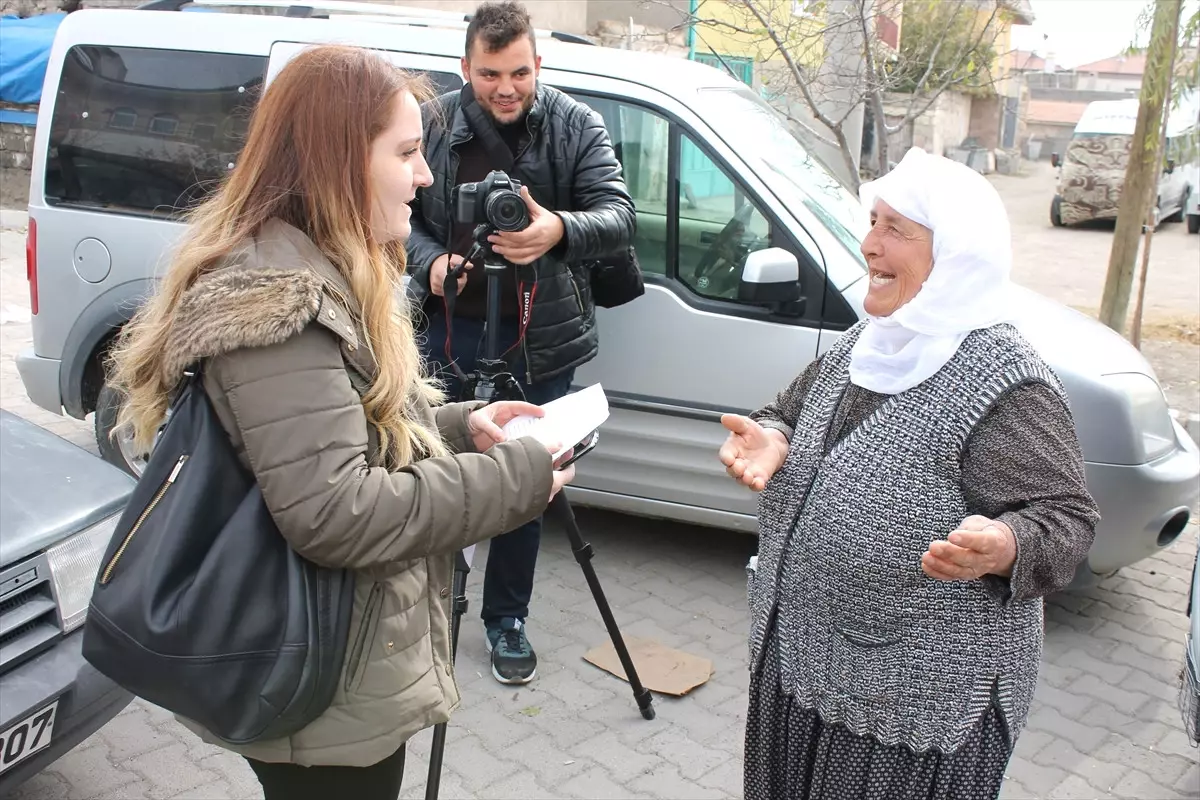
(526, 107)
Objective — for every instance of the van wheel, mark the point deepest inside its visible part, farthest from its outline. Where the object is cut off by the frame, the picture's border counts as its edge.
(120, 451)
(1193, 223)
(1056, 212)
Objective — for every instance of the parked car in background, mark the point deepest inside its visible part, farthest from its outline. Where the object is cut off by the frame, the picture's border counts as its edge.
(1091, 173)
(749, 245)
(1192, 211)
(58, 508)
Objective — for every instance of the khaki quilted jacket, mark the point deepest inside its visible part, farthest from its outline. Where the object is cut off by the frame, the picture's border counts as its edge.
(286, 368)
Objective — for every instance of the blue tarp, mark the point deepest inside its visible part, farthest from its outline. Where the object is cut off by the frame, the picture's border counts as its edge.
(24, 53)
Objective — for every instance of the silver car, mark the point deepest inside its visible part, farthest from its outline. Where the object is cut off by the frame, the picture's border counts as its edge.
(1191, 210)
(749, 244)
(58, 508)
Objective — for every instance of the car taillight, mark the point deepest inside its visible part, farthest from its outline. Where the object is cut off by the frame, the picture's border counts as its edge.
(31, 264)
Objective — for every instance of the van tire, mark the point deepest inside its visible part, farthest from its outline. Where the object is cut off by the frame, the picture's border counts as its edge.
(1193, 221)
(108, 407)
(1056, 212)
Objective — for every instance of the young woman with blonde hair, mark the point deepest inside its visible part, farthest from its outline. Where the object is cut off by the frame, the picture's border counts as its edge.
(286, 290)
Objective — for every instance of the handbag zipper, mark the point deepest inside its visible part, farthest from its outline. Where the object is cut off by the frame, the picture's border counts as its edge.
(137, 525)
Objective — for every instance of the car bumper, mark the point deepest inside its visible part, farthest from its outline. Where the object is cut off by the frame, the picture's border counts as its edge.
(1143, 508)
(87, 700)
(40, 378)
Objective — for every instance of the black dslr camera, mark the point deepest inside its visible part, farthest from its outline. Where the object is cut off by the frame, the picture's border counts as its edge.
(495, 201)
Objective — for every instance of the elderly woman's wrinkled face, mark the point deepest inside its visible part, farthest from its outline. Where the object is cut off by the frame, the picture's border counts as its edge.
(899, 255)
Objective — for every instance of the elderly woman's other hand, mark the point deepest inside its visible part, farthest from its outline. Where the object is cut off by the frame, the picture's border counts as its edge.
(752, 453)
(980, 546)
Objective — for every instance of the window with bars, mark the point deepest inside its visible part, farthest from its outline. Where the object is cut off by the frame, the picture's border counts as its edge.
(739, 67)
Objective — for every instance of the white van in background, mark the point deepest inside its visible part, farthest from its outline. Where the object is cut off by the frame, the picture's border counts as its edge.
(749, 245)
(1092, 171)
(1192, 212)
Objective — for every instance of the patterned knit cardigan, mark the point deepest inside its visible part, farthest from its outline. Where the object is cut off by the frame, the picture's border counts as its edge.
(866, 637)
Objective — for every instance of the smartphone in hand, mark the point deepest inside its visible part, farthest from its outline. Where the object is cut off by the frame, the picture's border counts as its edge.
(580, 450)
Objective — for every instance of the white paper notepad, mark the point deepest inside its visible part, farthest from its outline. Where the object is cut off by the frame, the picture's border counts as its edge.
(568, 419)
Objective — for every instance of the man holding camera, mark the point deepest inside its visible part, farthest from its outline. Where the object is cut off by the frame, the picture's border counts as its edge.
(578, 210)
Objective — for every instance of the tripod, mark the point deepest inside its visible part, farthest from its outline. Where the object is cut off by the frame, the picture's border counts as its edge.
(491, 382)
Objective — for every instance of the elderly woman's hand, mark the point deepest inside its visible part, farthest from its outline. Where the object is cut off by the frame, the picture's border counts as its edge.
(979, 547)
(752, 453)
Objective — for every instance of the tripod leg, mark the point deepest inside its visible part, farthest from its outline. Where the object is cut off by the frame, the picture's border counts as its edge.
(583, 554)
(438, 747)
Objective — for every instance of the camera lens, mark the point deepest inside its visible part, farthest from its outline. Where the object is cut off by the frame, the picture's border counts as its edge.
(506, 211)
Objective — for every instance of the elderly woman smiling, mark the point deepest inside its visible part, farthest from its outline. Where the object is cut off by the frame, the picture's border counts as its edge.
(922, 490)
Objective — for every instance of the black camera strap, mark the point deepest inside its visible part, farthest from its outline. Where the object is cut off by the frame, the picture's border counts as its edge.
(484, 129)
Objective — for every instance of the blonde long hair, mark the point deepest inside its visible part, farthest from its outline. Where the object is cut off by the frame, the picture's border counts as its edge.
(305, 162)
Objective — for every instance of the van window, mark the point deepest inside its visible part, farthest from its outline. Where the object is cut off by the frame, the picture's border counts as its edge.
(709, 217)
(147, 131)
(641, 140)
(444, 82)
(718, 226)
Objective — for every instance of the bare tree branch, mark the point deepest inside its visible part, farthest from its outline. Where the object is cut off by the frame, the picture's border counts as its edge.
(832, 65)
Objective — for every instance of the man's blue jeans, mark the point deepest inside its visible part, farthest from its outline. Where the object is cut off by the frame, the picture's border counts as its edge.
(512, 557)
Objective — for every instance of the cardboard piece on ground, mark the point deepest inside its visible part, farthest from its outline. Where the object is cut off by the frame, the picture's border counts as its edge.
(660, 668)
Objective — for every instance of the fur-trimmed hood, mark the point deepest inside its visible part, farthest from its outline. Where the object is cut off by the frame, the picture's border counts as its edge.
(265, 293)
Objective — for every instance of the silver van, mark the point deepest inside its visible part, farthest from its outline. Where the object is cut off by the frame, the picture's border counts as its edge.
(144, 111)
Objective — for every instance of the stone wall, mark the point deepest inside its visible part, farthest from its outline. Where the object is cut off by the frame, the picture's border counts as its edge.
(29, 8)
(986, 116)
(942, 127)
(16, 156)
(622, 35)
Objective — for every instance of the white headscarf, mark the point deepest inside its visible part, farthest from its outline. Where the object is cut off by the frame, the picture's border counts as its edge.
(968, 288)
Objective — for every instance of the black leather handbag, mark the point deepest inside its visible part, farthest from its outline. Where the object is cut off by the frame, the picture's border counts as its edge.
(201, 606)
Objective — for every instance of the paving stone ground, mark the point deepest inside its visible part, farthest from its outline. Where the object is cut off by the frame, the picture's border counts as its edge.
(1104, 725)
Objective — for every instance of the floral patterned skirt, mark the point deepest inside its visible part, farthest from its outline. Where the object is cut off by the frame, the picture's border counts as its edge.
(792, 754)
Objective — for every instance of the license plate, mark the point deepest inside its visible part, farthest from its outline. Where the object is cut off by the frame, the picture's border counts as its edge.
(27, 737)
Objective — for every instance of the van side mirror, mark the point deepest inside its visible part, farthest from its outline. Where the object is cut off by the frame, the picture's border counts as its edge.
(771, 277)
(1054, 160)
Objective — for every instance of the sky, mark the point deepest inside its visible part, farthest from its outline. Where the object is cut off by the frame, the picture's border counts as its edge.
(1082, 31)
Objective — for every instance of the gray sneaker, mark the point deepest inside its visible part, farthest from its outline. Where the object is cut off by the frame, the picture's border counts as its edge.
(513, 659)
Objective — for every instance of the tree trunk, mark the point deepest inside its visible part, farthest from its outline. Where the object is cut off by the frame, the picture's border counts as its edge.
(881, 135)
(1144, 168)
(1160, 153)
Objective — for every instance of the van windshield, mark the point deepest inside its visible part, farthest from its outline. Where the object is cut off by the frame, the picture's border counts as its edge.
(754, 128)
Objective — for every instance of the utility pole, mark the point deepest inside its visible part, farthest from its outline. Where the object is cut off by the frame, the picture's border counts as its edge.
(1145, 164)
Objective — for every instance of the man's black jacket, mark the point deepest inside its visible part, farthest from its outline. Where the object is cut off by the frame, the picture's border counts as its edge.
(570, 168)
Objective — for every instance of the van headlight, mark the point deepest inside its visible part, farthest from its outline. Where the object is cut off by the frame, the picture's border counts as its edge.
(1148, 413)
(73, 567)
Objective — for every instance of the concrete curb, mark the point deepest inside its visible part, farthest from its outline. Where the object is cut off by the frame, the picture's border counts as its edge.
(13, 219)
(1190, 423)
